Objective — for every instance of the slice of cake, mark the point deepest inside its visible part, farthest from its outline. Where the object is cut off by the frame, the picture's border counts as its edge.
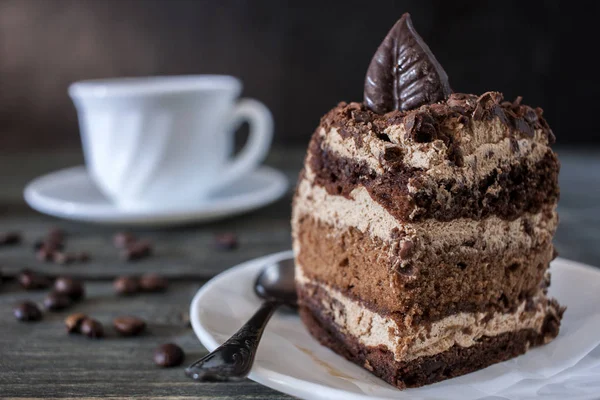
(423, 223)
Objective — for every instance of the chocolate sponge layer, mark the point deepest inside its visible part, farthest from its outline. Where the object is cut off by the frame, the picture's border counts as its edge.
(430, 288)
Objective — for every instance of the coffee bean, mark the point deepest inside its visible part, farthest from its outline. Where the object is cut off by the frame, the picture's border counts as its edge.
(226, 241)
(137, 251)
(9, 238)
(63, 258)
(91, 328)
(122, 240)
(129, 326)
(168, 355)
(83, 257)
(44, 254)
(55, 301)
(153, 283)
(69, 286)
(38, 244)
(29, 280)
(73, 322)
(126, 285)
(27, 311)
(56, 235)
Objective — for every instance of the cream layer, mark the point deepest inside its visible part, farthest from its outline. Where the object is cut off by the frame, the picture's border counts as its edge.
(482, 152)
(360, 211)
(406, 342)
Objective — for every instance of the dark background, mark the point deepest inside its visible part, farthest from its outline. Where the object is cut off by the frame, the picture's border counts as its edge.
(299, 57)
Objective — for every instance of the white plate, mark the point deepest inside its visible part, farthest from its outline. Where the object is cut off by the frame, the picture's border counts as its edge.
(70, 193)
(291, 361)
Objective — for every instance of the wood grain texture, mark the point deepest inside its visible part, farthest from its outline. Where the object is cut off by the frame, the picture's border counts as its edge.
(180, 253)
(40, 360)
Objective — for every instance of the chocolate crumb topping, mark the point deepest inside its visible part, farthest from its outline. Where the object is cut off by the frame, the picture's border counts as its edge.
(404, 74)
(432, 122)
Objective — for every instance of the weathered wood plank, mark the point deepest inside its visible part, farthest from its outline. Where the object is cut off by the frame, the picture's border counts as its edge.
(41, 360)
(182, 253)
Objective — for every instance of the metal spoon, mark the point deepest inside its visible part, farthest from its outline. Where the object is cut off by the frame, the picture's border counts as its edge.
(233, 360)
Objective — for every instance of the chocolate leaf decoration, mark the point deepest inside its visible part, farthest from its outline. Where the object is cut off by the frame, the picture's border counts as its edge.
(403, 73)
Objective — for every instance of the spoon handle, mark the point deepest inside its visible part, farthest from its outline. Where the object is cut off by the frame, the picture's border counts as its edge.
(233, 360)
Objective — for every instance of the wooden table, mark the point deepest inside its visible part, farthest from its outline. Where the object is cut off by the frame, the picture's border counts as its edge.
(39, 360)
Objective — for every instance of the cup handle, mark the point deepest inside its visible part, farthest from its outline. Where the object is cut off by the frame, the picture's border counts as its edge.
(257, 146)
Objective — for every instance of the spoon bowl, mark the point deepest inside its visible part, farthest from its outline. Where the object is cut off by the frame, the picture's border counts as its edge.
(276, 283)
(232, 361)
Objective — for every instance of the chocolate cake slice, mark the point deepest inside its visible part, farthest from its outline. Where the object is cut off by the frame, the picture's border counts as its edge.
(423, 223)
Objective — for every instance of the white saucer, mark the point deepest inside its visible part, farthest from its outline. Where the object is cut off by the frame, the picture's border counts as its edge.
(70, 193)
(291, 361)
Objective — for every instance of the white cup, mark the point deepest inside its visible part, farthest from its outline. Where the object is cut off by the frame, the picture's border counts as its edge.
(163, 142)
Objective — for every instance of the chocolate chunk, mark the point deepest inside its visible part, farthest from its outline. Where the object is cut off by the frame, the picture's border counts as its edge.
(545, 283)
(455, 155)
(517, 102)
(406, 249)
(406, 271)
(126, 285)
(488, 106)
(153, 283)
(520, 125)
(528, 227)
(168, 355)
(403, 73)
(360, 116)
(530, 115)
(469, 243)
(392, 156)
(70, 287)
(92, 328)
(73, 322)
(57, 301)
(420, 126)
(9, 238)
(27, 311)
(487, 318)
(530, 305)
(226, 241)
(461, 102)
(30, 280)
(129, 326)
